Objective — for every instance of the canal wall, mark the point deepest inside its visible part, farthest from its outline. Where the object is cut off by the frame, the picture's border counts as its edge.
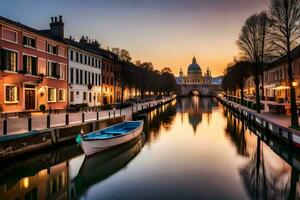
(288, 135)
(16, 145)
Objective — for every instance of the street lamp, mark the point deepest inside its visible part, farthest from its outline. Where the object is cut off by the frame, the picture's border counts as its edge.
(294, 83)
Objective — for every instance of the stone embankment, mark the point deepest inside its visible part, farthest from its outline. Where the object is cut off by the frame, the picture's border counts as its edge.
(267, 122)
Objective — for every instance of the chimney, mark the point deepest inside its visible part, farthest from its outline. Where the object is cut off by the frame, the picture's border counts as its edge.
(57, 27)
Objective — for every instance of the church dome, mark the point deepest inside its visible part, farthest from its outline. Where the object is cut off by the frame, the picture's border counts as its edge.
(194, 67)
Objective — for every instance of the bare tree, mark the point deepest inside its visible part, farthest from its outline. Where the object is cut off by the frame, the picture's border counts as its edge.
(285, 17)
(249, 43)
(265, 46)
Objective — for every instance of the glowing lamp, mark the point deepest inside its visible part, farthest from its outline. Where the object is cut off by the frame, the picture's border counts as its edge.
(294, 83)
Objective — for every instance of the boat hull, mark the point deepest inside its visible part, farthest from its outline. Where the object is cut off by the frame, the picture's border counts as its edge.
(91, 147)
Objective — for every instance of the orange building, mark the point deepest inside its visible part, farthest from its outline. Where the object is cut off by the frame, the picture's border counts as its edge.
(109, 94)
(33, 66)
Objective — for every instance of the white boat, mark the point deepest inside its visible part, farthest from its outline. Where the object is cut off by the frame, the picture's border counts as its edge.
(109, 137)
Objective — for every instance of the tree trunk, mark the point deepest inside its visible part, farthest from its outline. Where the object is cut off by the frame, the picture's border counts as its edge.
(256, 80)
(262, 83)
(294, 115)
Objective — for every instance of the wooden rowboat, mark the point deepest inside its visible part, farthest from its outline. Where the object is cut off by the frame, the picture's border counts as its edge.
(109, 137)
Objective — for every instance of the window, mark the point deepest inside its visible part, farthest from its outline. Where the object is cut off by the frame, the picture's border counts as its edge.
(99, 80)
(90, 97)
(85, 59)
(99, 63)
(11, 94)
(53, 69)
(71, 55)
(71, 96)
(81, 61)
(51, 94)
(61, 95)
(29, 65)
(85, 77)
(93, 62)
(9, 60)
(96, 62)
(28, 41)
(81, 76)
(72, 75)
(96, 80)
(77, 56)
(93, 79)
(52, 49)
(62, 69)
(89, 60)
(84, 96)
(89, 78)
(77, 76)
(103, 80)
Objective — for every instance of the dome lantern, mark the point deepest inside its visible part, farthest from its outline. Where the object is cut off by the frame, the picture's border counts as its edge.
(194, 68)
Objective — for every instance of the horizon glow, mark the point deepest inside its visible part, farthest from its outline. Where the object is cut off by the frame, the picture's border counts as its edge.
(167, 33)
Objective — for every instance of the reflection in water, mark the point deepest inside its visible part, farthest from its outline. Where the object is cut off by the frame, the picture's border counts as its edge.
(195, 107)
(194, 149)
(265, 175)
(99, 167)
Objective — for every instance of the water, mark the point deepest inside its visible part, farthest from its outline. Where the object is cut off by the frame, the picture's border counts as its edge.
(191, 149)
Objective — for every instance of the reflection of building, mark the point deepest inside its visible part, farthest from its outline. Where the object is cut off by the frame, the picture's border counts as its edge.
(195, 107)
(49, 183)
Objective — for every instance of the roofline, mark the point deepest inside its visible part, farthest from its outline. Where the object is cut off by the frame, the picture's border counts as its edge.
(21, 27)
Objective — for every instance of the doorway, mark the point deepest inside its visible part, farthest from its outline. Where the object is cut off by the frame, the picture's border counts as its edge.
(29, 99)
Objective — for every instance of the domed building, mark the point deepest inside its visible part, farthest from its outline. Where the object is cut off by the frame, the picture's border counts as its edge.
(194, 75)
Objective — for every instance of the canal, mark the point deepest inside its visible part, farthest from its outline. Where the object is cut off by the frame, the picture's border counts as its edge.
(192, 148)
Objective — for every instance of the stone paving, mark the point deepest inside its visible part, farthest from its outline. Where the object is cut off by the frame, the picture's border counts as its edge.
(282, 120)
(17, 125)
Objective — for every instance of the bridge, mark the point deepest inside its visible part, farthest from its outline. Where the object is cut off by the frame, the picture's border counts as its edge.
(203, 89)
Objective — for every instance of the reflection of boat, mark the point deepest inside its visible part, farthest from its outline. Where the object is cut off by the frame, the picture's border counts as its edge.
(97, 168)
(112, 136)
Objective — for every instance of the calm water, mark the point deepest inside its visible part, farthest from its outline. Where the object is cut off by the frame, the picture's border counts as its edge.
(191, 149)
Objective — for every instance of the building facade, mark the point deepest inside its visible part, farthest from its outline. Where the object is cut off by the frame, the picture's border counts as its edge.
(196, 83)
(276, 83)
(194, 75)
(33, 66)
(85, 66)
(110, 93)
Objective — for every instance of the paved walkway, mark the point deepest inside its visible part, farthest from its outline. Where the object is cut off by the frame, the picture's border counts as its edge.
(17, 125)
(282, 120)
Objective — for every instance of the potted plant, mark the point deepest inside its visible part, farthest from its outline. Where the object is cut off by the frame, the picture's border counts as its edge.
(42, 107)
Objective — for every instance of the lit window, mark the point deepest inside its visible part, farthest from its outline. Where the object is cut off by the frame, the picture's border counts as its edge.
(11, 94)
(51, 94)
(61, 95)
(29, 65)
(9, 60)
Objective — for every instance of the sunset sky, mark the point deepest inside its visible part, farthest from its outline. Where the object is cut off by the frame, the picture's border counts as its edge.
(168, 33)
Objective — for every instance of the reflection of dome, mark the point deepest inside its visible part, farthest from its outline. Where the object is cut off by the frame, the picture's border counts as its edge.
(194, 67)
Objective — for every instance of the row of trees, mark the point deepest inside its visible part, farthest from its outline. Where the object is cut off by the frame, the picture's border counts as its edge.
(142, 76)
(263, 37)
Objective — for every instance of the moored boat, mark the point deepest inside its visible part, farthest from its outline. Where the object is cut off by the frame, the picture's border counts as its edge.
(109, 137)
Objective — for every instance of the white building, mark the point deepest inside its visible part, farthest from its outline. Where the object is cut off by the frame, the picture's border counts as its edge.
(84, 74)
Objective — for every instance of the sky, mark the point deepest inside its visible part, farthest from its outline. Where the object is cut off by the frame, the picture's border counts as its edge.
(167, 33)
